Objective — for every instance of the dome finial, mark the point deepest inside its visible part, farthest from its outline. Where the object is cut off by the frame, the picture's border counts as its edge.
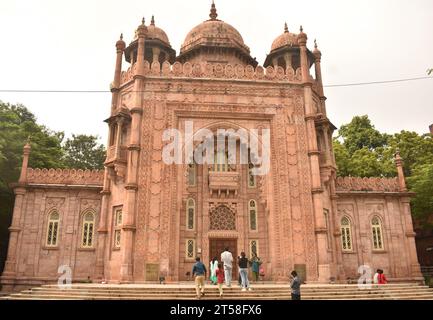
(315, 44)
(213, 12)
(152, 22)
(142, 21)
(301, 29)
(121, 36)
(286, 28)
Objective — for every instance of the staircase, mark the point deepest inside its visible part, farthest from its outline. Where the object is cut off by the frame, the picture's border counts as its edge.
(400, 291)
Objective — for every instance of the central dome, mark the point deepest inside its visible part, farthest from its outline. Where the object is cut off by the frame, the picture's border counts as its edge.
(215, 33)
(215, 41)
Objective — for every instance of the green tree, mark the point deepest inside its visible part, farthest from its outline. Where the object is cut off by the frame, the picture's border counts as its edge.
(360, 150)
(421, 182)
(360, 133)
(17, 124)
(84, 152)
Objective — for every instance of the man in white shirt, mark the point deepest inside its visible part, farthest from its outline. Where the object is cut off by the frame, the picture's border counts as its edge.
(227, 259)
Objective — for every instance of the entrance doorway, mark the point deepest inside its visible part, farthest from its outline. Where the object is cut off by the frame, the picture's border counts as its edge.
(217, 246)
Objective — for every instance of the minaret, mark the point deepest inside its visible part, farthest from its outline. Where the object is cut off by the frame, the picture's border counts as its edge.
(400, 173)
(25, 163)
(15, 228)
(317, 67)
(313, 154)
(131, 186)
(120, 47)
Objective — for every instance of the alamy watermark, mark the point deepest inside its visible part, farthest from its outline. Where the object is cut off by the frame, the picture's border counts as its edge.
(220, 147)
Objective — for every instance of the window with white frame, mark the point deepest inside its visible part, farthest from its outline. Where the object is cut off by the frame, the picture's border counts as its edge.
(190, 214)
(328, 231)
(252, 209)
(376, 230)
(346, 234)
(190, 249)
(117, 227)
(53, 229)
(251, 177)
(88, 228)
(254, 247)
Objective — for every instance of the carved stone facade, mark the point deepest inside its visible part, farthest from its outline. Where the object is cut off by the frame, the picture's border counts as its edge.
(152, 219)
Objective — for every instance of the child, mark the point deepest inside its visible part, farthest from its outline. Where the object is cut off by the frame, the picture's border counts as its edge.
(220, 278)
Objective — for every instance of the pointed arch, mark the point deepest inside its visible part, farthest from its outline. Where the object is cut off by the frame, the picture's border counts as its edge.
(346, 234)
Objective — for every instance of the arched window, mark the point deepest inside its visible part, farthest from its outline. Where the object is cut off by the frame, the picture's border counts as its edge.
(221, 161)
(251, 176)
(376, 230)
(88, 230)
(190, 214)
(252, 209)
(346, 234)
(53, 229)
(117, 227)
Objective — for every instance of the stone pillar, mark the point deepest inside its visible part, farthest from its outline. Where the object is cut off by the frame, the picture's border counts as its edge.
(399, 165)
(155, 53)
(130, 204)
(275, 62)
(119, 137)
(415, 268)
(313, 153)
(15, 228)
(288, 59)
(120, 47)
(103, 228)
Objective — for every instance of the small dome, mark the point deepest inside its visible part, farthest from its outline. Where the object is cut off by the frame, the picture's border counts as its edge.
(155, 33)
(285, 39)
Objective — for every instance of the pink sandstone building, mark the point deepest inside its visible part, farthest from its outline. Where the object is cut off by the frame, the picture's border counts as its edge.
(141, 218)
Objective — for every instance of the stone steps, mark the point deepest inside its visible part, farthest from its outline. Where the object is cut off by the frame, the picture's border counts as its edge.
(259, 292)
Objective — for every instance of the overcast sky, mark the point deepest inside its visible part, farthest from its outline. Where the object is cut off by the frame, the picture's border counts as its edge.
(69, 45)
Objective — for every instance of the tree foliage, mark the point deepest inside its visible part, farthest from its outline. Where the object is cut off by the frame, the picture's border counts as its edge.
(361, 150)
(84, 152)
(17, 125)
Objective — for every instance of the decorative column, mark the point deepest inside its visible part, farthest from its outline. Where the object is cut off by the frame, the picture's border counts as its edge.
(400, 173)
(313, 154)
(415, 269)
(130, 204)
(120, 47)
(10, 266)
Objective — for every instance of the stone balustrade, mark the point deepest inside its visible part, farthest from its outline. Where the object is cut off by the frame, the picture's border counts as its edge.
(367, 184)
(215, 71)
(65, 176)
(224, 181)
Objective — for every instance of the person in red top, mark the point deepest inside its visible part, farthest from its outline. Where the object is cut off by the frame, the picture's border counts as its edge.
(381, 277)
(220, 278)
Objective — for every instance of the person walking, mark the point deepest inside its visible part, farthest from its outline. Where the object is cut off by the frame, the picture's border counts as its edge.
(255, 266)
(220, 278)
(199, 271)
(381, 279)
(243, 271)
(213, 269)
(227, 260)
(295, 286)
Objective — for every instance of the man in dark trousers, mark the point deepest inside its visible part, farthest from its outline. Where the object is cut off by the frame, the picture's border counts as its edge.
(199, 271)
